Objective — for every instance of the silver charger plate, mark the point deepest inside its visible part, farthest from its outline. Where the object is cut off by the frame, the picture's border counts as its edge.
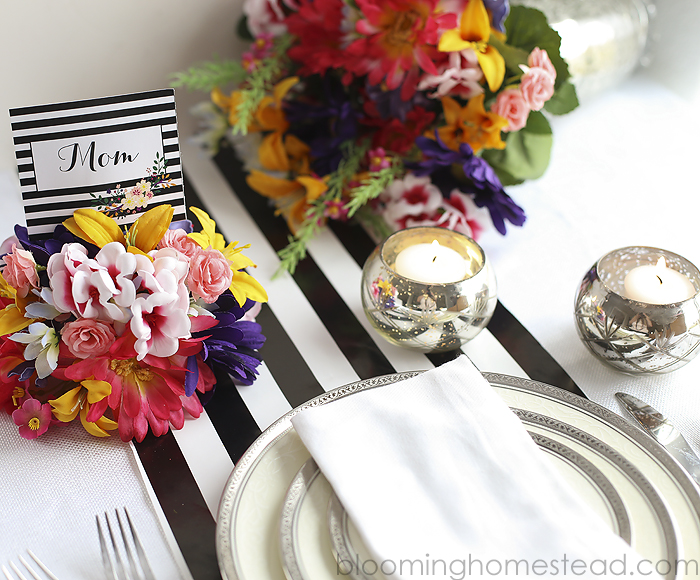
(252, 503)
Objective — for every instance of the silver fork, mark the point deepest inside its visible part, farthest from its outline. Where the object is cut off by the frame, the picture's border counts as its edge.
(31, 570)
(129, 537)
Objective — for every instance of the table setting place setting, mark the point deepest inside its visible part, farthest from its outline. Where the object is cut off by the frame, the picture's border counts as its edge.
(371, 320)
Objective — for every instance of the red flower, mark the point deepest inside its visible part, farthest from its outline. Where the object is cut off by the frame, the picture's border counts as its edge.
(399, 136)
(146, 392)
(399, 39)
(317, 26)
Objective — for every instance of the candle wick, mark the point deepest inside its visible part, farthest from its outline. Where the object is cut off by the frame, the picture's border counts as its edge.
(434, 258)
(660, 280)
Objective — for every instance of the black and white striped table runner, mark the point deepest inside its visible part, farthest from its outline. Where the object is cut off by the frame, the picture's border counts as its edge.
(316, 341)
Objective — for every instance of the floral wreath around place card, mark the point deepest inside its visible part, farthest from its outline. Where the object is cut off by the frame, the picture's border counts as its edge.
(395, 112)
(123, 328)
(124, 201)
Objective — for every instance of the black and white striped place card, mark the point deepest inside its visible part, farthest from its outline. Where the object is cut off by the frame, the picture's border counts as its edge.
(119, 155)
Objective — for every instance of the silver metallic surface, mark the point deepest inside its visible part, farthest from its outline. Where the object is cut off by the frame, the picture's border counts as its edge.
(424, 316)
(636, 337)
(602, 42)
(654, 423)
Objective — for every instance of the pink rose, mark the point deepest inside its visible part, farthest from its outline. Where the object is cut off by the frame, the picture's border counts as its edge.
(210, 275)
(511, 105)
(537, 87)
(87, 337)
(20, 271)
(178, 240)
(539, 58)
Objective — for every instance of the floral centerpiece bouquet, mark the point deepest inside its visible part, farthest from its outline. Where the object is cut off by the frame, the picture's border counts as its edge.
(396, 112)
(123, 328)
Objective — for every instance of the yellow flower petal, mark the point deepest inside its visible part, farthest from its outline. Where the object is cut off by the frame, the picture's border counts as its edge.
(272, 153)
(208, 237)
(282, 88)
(314, 187)
(12, 319)
(97, 390)
(149, 229)
(452, 41)
(98, 427)
(493, 66)
(66, 407)
(269, 186)
(475, 25)
(6, 291)
(243, 286)
(96, 227)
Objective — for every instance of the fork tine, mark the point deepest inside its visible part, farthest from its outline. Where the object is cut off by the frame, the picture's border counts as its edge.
(6, 572)
(148, 573)
(29, 568)
(129, 553)
(17, 571)
(120, 572)
(41, 565)
(106, 559)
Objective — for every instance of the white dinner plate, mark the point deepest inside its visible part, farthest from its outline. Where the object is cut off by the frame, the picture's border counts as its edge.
(660, 500)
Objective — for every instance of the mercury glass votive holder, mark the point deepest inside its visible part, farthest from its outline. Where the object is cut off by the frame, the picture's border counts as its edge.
(428, 316)
(634, 336)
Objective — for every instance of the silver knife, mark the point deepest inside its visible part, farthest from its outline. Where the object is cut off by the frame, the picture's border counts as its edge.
(656, 425)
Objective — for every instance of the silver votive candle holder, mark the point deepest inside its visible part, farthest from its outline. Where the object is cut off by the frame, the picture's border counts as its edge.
(415, 301)
(637, 310)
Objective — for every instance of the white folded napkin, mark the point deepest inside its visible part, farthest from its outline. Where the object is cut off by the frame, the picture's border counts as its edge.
(443, 481)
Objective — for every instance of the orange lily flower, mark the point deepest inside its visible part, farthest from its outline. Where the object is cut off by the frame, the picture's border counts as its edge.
(471, 124)
(474, 32)
(292, 196)
(270, 117)
(230, 106)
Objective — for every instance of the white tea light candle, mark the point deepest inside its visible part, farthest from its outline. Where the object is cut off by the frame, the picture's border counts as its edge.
(657, 284)
(431, 263)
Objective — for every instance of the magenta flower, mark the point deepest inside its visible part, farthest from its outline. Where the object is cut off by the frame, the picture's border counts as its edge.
(33, 418)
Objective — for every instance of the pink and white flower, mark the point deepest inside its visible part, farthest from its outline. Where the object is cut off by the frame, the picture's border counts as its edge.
(267, 16)
(409, 198)
(102, 288)
(459, 76)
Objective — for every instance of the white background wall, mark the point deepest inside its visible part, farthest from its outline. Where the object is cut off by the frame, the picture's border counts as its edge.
(62, 50)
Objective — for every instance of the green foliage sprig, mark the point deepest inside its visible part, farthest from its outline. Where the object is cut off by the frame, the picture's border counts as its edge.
(353, 154)
(206, 76)
(259, 82)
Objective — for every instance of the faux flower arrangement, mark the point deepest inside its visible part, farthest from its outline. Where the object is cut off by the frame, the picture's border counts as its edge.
(123, 329)
(396, 112)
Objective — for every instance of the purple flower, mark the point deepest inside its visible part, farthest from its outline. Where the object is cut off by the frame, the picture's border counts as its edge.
(390, 105)
(42, 250)
(325, 125)
(483, 183)
(499, 11)
(233, 343)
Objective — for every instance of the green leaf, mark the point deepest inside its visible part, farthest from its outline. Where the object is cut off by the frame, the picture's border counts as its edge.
(527, 152)
(527, 28)
(563, 101)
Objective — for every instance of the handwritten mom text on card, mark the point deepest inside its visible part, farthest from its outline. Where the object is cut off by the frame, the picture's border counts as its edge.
(119, 155)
